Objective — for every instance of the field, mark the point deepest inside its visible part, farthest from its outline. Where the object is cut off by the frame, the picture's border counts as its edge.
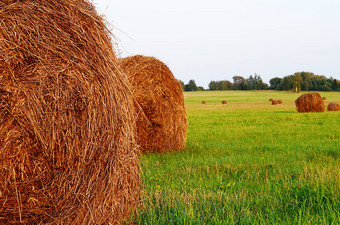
(247, 162)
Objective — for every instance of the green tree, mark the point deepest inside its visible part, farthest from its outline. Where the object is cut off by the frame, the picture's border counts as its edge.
(200, 88)
(239, 83)
(191, 86)
(306, 83)
(275, 83)
(287, 83)
(213, 85)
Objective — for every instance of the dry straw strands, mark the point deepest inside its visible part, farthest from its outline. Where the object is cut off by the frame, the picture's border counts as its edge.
(162, 124)
(333, 107)
(67, 149)
(311, 102)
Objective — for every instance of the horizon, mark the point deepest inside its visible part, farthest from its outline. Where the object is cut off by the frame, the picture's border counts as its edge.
(217, 40)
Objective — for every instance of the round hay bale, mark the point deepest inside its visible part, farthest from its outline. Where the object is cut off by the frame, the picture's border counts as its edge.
(274, 102)
(68, 152)
(224, 102)
(162, 123)
(333, 107)
(324, 98)
(204, 102)
(311, 102)
(279, 101)
(271, 99)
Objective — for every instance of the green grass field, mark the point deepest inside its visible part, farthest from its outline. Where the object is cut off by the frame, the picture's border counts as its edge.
(247, 162)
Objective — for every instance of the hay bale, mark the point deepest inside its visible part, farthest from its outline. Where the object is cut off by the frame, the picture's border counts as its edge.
(311, 102)
(279, 101)
(271, 99)
(204, 102)
(333, 107)
(224, 102)
(162, 123)
(68, 154)
(274, 102)
(324, 98)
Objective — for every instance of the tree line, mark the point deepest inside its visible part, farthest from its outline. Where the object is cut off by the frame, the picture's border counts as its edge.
(300, 81)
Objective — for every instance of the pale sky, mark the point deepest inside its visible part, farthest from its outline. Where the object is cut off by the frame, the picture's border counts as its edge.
(218, 39)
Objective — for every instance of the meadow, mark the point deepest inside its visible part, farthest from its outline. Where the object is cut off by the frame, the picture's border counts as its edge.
(247, 162)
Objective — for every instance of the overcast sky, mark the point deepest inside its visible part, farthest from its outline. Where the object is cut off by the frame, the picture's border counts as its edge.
(218, 39)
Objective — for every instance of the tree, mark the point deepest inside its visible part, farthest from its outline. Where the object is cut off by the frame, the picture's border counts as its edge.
(287, 83)
(306, 83)
(200, 88)
(275, 83)
(239, 83)
(297, 78)
(213, 85)
(191, 86)
(256, 83)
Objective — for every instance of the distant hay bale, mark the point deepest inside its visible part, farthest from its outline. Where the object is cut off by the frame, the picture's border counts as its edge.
(224, 102)
(324, 98)
(271, 99)
(279, 101)
(274, 102)
(204, 102)
(162, 123)
(311, 102)
(67, 148)
(333, 107)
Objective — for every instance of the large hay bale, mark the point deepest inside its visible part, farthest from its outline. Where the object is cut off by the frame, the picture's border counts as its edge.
(311, 102)
(162, 124)
(67, 148)
(333, 107)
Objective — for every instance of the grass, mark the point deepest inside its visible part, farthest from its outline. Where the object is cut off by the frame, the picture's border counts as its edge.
(247, 162)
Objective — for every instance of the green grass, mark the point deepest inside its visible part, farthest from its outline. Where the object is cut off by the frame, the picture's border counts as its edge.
(247, 162)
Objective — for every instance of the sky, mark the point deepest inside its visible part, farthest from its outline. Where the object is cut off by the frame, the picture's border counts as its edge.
(218, 39)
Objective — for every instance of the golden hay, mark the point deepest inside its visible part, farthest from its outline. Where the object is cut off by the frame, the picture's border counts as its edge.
(68, 154)
(333, 107)
(162, 123)
(311, 102)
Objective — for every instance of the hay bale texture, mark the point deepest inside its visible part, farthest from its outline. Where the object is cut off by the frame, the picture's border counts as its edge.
(333, 107)
(311, 102)
(279, 101)
(162, 123)
(67, 148)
